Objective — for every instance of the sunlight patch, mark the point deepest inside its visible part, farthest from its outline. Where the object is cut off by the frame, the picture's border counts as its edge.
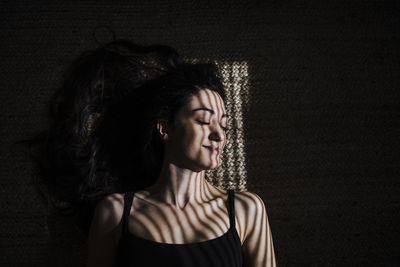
(232, 172)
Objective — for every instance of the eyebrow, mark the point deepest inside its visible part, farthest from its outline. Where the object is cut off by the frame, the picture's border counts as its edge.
(209, 110)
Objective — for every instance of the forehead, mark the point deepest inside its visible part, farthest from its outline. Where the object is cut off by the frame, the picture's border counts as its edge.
(207, 98)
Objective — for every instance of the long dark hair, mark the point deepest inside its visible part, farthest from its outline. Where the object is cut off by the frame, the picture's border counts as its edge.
(102, 136)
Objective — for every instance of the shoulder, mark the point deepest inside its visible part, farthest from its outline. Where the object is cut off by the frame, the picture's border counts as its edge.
(111, 204)
(108, 213)
(249, 200)
(255, 233)
(250, 210)
(105, 230)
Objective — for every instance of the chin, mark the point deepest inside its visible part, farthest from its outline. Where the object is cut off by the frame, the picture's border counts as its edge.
(206, 164)
(212, 165)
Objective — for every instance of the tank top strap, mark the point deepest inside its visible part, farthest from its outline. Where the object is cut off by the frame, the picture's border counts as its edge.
(128, 198)
(231, 207)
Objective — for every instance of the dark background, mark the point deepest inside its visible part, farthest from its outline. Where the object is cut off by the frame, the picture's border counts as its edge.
(322, 130)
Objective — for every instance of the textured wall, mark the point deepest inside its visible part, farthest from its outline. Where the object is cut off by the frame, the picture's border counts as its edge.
(321, 127)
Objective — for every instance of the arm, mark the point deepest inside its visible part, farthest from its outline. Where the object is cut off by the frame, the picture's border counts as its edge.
(105, 231)
(257, 247)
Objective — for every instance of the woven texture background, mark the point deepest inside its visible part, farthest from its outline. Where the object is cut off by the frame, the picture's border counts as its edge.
(320, 125)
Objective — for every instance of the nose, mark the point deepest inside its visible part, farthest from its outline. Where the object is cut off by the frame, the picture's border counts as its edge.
(217, 133)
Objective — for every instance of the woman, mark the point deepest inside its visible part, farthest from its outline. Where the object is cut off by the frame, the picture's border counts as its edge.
(138, 128)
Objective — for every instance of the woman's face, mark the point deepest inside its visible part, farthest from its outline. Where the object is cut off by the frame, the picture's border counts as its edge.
(197, 136)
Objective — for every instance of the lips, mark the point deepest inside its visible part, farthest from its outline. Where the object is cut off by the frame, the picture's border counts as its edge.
(213, 149)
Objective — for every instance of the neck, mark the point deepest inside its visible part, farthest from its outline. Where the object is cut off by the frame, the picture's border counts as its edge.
(177, 187)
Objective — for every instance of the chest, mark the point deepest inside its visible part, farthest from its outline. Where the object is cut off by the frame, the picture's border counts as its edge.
(196, 223)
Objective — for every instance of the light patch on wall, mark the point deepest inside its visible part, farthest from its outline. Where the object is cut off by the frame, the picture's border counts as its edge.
(232, 172)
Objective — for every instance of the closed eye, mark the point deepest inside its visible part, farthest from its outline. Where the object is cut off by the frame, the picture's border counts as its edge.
(203, 122)
(207, 123)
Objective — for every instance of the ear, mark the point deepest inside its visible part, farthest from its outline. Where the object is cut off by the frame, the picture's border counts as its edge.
(162, 129)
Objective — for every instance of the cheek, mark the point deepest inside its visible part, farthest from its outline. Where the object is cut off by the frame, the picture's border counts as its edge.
(195, 135)
(190, 136)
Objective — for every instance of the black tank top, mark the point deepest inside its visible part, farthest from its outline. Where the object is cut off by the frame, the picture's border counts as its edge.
(223, 251)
